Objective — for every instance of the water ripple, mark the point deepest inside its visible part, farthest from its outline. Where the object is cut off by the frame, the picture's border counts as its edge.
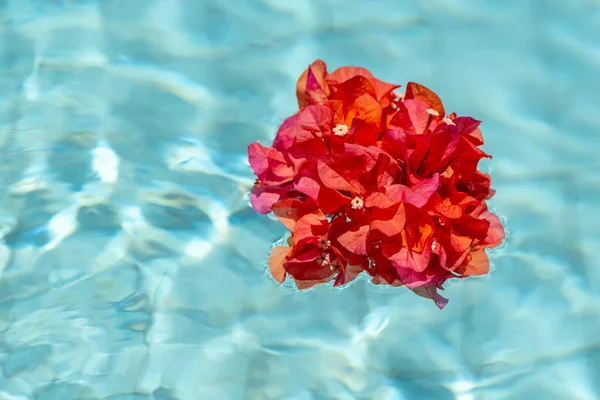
(131, 266)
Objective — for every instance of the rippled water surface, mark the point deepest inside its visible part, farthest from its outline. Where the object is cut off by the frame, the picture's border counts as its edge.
(131, 266)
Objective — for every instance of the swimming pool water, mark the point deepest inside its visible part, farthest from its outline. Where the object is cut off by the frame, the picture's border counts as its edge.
(132, 267)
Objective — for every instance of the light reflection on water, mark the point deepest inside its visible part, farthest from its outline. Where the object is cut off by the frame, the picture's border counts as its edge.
(132, 267)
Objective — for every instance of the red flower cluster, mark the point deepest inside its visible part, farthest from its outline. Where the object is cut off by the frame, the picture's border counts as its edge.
(369, 180)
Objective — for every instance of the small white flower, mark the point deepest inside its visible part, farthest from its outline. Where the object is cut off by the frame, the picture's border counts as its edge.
(340, 130)
(334, 265)
(324, 260)
(357, 203)
(399, 95)
(448, 121)
(324, 243)
(432, 112)
(434, 245)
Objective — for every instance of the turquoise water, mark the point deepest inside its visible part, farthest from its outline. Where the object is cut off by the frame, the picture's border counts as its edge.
(132, 267)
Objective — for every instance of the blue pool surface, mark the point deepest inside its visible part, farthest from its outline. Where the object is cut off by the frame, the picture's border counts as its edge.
(132, 267)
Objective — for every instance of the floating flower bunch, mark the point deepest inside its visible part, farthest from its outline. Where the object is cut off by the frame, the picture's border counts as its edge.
(371, 181)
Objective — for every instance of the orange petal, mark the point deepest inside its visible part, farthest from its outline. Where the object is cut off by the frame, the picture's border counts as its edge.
(319, 70)
(310, 225)
(389, 221)
(355, 240)
(366, 108)
(479, 264)
(289, 211)
(447, 209)
(414, 261)
(342, 74)
(334, 179)
(348, 274)
(416, 91)
(379, 199)
(303, 285)
(476, 134)
(460, 246)
(496, 233)
(276, 260)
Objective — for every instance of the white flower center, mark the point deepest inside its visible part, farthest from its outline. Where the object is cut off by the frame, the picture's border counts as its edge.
(324, 260)
(334, 265)
(448, 121)
(324, 243)
(431, 111)
(357, 203)
(340, 130)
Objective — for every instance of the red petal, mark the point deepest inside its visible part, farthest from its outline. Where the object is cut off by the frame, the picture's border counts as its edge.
(417, 262)
(363, 133)
(312, 122)
(384, 272)
(336, 180)
(353, 88)
(469, 127)
(395, 142)
(468, 156)
(313, 147)
(386, 171)
(315, 89)
(430, 292)
(441, 145)
(456, 251)
(332, 201)
(263, 197)
(414, 279)
(370, 154)
(355, 259)
(329, 200)
(382, 89)
(337, 227)
(419, 117)
(269, 165)
(307, 185)
(417, 195)
(495, 234)
(304, 266)
(474, 228)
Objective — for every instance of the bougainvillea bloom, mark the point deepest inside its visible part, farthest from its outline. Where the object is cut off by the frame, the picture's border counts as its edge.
(370, 181)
